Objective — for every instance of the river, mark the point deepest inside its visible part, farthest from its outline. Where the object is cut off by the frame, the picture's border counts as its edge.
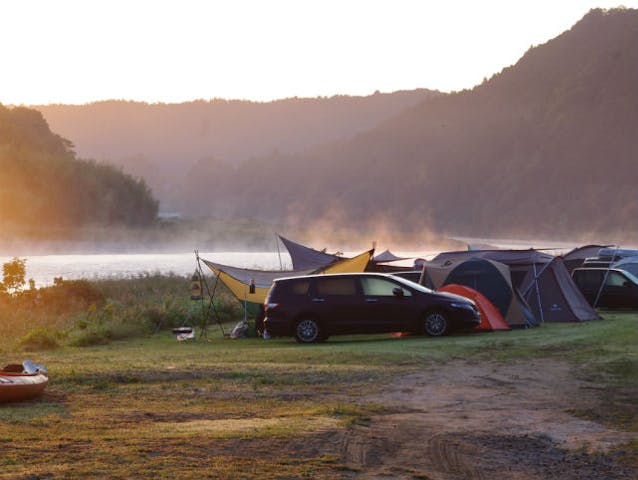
(44, 268)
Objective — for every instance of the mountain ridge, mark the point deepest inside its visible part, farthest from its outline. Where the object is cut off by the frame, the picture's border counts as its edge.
(545, 147)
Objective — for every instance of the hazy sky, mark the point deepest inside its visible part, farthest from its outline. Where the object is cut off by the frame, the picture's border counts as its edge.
(76, 51)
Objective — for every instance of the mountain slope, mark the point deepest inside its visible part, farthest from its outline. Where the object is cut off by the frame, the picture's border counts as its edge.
(548, 146)
(161, 142)
(44, 187)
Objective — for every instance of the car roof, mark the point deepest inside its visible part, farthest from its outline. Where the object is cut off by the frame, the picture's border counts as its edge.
(600, 269)
(620, 271)
(336, 275)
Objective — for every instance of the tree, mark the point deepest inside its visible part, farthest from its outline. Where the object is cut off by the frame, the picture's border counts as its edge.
(13, 273)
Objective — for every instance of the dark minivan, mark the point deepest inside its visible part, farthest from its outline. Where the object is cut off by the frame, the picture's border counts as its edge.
(313, 307)
(620, 289)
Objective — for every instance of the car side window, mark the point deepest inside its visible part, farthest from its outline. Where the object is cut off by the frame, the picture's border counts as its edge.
(589, 279)
(299, 287)
(379, 287)
(336, 286)
(615, 279)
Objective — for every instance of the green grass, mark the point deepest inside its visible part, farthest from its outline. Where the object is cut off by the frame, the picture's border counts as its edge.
(150, 407)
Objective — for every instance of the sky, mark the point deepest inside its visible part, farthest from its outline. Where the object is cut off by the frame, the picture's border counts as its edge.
(79, 51)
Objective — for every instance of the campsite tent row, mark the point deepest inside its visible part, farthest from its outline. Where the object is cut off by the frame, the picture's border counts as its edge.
(527, 287)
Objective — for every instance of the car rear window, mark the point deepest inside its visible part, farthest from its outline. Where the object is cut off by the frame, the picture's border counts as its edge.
(336, 286)
(299, 287)
(588, 278)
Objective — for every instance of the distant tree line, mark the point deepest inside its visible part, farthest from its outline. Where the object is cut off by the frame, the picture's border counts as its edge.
(44, 185)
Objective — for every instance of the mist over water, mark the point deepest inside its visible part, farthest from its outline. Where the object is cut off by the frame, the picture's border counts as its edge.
(44, 268)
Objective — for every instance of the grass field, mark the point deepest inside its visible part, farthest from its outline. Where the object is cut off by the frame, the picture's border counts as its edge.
(218, 408)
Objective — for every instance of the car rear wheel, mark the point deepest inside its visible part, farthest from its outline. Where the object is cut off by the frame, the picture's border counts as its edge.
(307, 330)
(435, 324)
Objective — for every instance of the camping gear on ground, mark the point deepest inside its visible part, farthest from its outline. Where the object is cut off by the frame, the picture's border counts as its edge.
(22, 381)
(184, 333)
(240, 330)
(541, 279)
(491, 318)
(492, 279)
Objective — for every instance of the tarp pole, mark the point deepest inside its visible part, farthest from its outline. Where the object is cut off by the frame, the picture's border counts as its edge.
(538, 294)
(602, 284)
(245, 302)
(281, 265)
(203, 332)
(526, 292)
(211, 296)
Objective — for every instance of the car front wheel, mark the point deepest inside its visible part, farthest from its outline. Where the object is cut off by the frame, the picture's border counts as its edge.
(307, 331)
(435, 324)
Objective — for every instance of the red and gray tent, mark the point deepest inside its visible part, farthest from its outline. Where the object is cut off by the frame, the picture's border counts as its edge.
(542, 280)
(492, 279)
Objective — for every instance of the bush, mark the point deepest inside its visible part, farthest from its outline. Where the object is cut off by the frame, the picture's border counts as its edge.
(40, 339)
(13, 275)
(68, 296)
(102, 334)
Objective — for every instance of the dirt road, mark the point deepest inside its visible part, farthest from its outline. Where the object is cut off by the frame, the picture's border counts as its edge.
(471, 421)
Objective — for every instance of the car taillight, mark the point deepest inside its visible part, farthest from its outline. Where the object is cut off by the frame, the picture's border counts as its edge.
(271, 306)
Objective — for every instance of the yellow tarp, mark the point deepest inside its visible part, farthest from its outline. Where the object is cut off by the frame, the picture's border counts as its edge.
(241, 290)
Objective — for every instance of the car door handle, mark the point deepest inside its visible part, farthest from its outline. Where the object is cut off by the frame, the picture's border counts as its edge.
(319, 300)
(372, 300)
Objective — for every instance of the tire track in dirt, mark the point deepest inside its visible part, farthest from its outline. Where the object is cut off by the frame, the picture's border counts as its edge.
(478, 422)
(398, 447)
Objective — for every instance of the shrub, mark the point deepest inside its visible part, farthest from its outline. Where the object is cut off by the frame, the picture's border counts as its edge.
(68, 296)
(13, 275)
(40, 339)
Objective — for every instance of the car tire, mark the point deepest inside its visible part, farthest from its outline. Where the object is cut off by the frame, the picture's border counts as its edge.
(307, 330)
(435, 324)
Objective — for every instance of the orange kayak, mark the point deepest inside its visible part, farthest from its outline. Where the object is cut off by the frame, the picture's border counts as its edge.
(20, 385)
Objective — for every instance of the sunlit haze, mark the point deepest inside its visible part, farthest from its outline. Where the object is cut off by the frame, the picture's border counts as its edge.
(77, 51)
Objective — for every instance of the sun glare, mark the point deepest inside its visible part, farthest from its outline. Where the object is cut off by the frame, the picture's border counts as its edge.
(73, 51)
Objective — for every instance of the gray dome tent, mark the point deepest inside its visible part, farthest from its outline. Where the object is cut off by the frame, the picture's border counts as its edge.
(492, 279)
(542, 280)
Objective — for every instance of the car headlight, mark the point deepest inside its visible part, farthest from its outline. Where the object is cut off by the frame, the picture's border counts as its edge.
(465, 306)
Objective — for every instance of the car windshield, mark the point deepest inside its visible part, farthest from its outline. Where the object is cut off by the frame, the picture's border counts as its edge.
(412, 285)
(630, 276)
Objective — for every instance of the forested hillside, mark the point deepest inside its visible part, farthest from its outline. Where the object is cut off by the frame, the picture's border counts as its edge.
(547, 147)
(43, 186)
(165, 142)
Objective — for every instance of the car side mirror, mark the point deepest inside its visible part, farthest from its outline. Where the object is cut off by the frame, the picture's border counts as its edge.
(627, 283)
(397, 291)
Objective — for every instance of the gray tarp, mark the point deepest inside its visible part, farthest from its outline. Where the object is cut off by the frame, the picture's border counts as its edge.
(307, 258)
